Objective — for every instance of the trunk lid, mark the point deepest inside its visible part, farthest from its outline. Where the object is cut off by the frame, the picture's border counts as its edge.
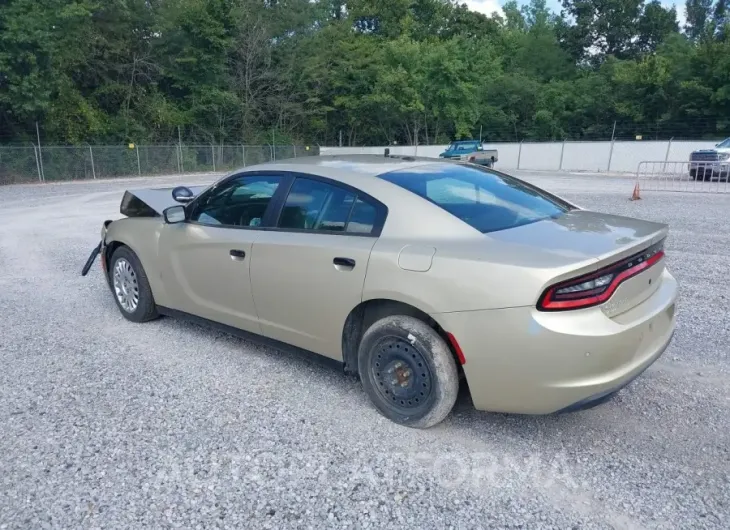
(582, 234)
(580, 242)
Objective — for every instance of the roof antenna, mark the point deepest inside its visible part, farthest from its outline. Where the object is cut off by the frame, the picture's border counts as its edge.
(387, 152)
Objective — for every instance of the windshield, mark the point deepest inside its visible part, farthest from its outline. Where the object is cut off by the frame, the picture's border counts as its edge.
(486, 200)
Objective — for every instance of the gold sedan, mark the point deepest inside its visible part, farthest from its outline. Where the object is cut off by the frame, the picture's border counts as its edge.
(416, 274)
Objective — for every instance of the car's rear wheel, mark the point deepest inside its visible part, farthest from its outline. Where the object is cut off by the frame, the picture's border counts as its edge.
(130, 287)
(408, 371)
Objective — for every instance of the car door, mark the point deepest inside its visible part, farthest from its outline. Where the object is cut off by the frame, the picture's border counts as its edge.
(307, 274)
(206, 260)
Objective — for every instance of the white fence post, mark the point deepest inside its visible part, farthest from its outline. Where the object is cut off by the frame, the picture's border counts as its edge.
(212, 151)
(179, 142)
(610, 156)
(666, 157)
(91, 154)
(37, 164)
(40, 152)
(40, 157)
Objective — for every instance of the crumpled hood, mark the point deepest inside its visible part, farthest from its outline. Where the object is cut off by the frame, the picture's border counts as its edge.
(150, 202)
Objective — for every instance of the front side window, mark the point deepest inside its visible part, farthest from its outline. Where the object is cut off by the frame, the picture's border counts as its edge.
(241, 202)
(318, 206)
(486, 200)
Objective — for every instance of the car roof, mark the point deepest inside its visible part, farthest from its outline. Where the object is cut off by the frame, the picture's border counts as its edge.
(347, 165)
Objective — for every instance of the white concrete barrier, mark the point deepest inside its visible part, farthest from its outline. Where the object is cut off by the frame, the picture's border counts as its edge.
(618, 156)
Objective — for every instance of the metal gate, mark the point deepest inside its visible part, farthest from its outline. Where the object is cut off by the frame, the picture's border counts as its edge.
(686, 176)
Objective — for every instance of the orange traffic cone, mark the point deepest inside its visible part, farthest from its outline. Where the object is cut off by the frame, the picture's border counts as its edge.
(635, 196)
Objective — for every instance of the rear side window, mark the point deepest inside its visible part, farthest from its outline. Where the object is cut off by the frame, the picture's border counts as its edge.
(485, 200)
(362, 220)
(318, 206)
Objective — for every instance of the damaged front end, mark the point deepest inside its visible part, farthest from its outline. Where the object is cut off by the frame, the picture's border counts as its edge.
(141, 203)
(99, 249)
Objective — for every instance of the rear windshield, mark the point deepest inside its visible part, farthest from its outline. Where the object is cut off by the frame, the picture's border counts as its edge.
(486, 200)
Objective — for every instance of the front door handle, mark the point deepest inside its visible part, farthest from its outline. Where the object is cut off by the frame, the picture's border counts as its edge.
(237, 255)
(345, 263)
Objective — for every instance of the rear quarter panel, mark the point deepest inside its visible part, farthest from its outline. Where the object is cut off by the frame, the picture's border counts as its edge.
(459, 277)
(468, 274)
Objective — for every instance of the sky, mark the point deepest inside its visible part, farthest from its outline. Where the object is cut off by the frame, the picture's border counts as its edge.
(489, 6)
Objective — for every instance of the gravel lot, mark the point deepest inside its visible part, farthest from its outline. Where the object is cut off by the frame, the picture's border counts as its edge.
(104, 423)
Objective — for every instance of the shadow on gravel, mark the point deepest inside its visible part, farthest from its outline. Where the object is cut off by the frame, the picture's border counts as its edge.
(326, 372)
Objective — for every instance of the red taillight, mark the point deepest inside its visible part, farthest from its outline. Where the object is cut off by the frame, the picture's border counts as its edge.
(597, 287)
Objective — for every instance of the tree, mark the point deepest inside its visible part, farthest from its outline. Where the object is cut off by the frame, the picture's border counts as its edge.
(698, 12)
(603, 27)
(370, 71)
(655, 24)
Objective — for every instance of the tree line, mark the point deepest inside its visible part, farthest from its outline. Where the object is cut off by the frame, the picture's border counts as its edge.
(360, 72)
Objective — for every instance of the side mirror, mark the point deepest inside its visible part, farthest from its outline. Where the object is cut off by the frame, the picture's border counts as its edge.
(174, 214)
(182, 194)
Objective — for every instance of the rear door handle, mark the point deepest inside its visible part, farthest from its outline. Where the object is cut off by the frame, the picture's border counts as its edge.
(237, 254)
(344, 262)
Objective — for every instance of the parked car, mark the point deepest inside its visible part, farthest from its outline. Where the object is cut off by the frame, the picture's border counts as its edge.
(413, 273)
(711, 164)
(470, 151)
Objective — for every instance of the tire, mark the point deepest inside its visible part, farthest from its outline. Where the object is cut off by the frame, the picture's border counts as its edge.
(145, 308)
(408, 371)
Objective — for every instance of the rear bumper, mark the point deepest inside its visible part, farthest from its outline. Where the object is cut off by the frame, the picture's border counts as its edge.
(605, 395)
(523, 361)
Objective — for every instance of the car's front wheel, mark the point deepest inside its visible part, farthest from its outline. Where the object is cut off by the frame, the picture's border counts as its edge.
(130, 287)
(408, 371)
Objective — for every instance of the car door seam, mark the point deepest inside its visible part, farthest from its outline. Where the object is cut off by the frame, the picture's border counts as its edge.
(250, 281)
(367, 267)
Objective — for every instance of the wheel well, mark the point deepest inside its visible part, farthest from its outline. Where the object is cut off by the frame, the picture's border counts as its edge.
(370, 311)
(109, 251)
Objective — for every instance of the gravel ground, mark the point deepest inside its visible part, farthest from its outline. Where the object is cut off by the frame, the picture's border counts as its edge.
(105, 423)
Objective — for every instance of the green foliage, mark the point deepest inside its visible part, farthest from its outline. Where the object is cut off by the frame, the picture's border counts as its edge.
(360, 71)
(698, 16)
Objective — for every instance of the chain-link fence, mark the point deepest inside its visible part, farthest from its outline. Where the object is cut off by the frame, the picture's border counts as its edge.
(57, 163)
